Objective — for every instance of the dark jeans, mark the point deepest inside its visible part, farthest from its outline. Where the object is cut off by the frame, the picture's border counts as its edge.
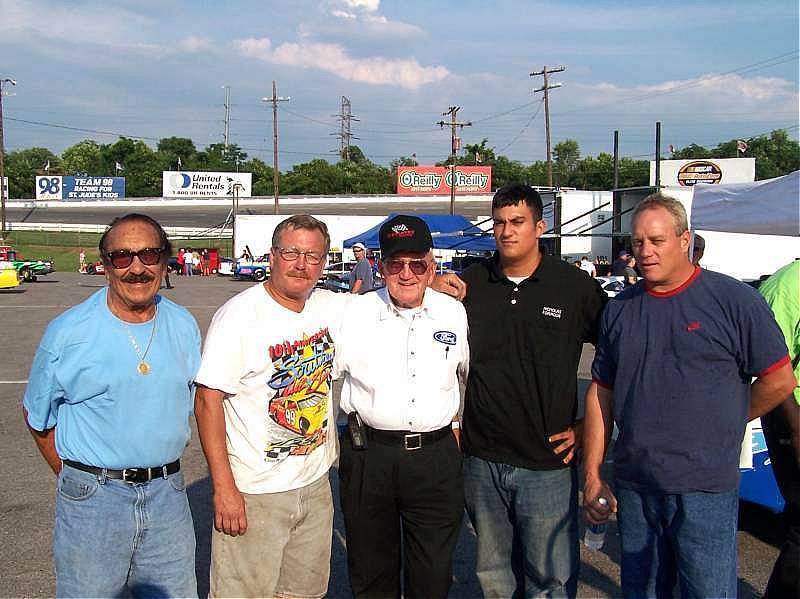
(393, 498)
(785, 578)
(527, 527)
(687, 538)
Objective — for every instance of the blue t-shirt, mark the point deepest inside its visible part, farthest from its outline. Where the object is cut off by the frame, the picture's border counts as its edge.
(680, 365)
(362, 271)
(84, 382)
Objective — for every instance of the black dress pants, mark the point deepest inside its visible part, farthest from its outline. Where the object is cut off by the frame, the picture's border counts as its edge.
(785, 578)
(392, 498)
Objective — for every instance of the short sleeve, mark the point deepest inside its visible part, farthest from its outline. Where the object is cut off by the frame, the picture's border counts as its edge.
(604, 365)
(222, 352)
(43, 393)
(762, 343)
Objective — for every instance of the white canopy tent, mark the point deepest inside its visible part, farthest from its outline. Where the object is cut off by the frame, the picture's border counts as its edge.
(769, 207)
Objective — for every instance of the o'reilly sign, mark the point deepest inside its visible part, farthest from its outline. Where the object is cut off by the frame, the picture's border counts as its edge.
(189, 184)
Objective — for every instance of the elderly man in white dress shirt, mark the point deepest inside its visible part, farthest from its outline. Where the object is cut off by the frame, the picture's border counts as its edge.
(403, 351)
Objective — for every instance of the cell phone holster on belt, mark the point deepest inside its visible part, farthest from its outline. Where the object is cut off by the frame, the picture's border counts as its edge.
(358, 431)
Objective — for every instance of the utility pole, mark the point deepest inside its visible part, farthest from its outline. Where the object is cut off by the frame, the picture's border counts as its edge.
(3, 187)
(227, 130)
(345, 117)
(545, 88)
(455, 146)
(275, 172)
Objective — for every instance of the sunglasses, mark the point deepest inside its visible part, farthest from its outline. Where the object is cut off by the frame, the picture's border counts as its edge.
(418, 267)
(124, 258)
(292, 254)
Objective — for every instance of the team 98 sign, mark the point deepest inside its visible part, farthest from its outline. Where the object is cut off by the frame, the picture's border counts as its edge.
(48, 188)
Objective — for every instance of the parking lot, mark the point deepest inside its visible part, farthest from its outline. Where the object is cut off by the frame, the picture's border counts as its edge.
(27, 485)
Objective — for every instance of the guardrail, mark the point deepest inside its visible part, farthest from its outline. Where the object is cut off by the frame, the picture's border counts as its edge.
(175, 232)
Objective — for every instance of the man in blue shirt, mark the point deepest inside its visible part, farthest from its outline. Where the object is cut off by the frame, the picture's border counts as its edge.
(108, 403)
(673, 368)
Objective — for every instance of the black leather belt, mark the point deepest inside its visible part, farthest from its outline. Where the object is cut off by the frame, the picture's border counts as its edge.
(130, 475)
(406, 439)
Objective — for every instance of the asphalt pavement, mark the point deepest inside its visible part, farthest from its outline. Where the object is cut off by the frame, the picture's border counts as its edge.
(27, 485)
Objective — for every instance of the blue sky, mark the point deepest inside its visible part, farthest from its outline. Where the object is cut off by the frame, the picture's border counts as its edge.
(709, 71)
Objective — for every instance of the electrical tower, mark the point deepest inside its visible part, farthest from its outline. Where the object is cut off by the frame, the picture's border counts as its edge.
(545, 88)
(345, 134)
(275, 172)
(455, 146)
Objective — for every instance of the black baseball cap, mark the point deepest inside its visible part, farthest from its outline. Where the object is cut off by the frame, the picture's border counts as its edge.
(404, 233)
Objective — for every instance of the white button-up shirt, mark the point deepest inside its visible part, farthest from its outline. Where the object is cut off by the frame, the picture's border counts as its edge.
(402, 368)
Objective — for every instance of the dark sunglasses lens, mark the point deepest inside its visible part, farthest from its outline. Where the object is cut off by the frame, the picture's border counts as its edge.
(418, 267)
(121, 259)
(149, 256)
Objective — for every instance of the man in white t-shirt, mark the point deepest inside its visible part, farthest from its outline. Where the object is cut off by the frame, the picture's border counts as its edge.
(588, 266)
(265, 384)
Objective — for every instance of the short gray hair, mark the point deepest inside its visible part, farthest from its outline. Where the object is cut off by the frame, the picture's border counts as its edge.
(671, 205)
(302, 221)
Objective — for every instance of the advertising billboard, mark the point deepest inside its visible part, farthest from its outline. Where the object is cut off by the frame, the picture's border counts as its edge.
(712, 171)
(186, 184)
(435, 180)
(76, 188)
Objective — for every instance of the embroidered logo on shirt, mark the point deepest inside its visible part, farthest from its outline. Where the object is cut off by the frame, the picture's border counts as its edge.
(446, 337)
(551, 312)
(692, 326)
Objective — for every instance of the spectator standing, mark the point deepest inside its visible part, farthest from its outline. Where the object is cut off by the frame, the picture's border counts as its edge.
(698, 249)
(402, 351)
(82, 261)
(529, 316)
(782, 431)
(180, 258)
(108, 403)
(588, 267)
(630, 275)
(205, 263)
(673, 369)
(620, 264)
(361, 279)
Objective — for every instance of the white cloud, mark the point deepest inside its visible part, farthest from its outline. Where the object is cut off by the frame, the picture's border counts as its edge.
(331, 58)
(194, 44)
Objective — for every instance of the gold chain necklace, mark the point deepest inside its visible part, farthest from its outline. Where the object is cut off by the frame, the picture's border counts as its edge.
(143, 367)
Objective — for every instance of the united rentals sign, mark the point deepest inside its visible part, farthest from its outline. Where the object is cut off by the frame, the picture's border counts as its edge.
(437, 180)
(186, 184)
(707, 171)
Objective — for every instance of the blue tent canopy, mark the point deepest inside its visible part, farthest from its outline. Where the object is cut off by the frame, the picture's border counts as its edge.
(449, 231)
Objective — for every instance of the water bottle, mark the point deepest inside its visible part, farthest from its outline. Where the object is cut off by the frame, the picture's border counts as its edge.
(595, 534)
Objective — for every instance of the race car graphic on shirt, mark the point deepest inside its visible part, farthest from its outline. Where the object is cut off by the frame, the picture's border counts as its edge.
(301, 382)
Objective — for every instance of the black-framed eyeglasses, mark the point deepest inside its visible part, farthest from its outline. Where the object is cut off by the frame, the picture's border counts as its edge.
(292, 254)
(418, 267)
(124, 258)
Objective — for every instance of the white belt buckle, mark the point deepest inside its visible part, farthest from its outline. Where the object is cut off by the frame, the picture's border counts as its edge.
(413, 441)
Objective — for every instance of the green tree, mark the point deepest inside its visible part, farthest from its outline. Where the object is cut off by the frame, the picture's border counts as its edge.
(263, 184)
(317, 177)
(218, 158)
(566, 155)
(690, 152)
(173, 148)
(82, 158)
(21, 168)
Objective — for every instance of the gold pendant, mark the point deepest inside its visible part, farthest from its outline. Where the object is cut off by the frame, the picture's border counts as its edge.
(143, 368)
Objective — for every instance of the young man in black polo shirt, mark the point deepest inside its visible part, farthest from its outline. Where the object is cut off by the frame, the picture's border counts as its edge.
(529, 315)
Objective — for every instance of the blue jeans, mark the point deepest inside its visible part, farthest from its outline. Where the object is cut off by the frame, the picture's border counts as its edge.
(112, 537)
(527, 527)
(688, 538)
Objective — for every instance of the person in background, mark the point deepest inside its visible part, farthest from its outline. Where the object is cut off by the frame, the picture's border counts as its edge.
(588, 267)
(108, 402)
(361, 279)
(180, 258)
(188, 262)
(205, 263)
(698, 249)
(82, 261)
(782, 431)
(630, 275)
(673, 369)
(619, 265)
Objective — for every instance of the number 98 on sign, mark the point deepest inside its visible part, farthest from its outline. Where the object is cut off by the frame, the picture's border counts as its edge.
(48, 188)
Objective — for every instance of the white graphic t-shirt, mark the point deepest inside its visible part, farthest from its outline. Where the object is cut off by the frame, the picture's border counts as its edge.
(274, 366)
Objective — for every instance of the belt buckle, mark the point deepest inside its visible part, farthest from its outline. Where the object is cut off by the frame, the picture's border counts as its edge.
(136, 475)
(412, 442)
